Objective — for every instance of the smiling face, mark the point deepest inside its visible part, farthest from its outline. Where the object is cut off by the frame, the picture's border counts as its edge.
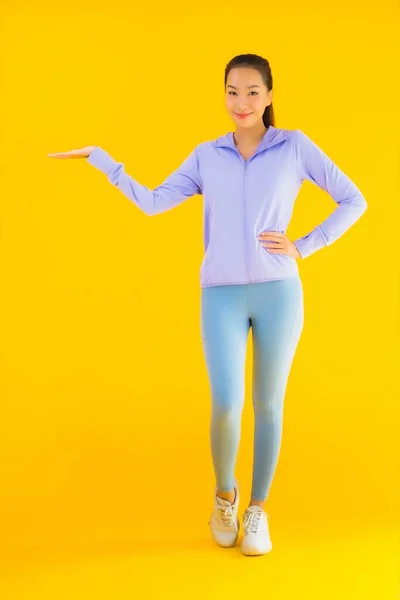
(246, 93)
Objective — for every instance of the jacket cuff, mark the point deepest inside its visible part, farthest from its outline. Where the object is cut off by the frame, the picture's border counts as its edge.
(311, 242)
(101, 160)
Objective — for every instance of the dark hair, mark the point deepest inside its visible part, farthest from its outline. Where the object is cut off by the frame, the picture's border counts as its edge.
(262, 66)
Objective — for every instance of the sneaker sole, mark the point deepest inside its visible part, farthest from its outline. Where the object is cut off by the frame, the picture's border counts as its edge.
(255, 551)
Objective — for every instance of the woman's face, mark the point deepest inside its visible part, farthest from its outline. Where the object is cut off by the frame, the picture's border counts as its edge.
(246, 92)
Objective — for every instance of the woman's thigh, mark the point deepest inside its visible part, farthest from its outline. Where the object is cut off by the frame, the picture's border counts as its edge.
(276, 309)
(224, 330)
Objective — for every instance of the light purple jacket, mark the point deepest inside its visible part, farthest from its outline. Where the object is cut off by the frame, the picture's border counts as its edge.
(243, 198)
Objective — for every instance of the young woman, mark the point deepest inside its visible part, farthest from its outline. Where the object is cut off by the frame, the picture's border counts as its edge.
(249, 276)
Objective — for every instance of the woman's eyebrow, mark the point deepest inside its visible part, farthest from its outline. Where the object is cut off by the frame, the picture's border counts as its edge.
(249, 86)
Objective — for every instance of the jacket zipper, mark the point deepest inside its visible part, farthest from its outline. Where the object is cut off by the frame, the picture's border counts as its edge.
(247, 253)
(245, 164)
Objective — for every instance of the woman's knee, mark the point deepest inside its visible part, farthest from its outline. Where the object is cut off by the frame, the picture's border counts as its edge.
(226, 408)
(268, 409)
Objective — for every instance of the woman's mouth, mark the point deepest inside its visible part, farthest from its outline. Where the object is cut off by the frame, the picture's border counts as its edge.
(243, 116)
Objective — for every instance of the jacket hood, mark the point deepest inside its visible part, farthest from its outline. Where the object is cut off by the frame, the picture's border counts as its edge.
(273, 135)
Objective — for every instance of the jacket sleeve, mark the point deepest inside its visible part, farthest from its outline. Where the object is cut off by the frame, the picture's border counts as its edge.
(181, 184)
(313, 164)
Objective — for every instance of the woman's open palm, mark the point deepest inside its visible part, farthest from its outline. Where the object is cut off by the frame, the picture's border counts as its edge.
(79, 153)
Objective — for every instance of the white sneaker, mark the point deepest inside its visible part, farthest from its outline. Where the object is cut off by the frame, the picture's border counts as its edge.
(256, 539)
(224, 522)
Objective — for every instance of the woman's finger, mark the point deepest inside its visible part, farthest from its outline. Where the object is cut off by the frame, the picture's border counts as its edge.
(273, 245)
(271, 234)
(76, 153)
(70, 154)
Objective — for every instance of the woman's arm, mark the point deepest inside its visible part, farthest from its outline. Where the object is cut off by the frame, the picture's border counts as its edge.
(181, 184)
(313, 164)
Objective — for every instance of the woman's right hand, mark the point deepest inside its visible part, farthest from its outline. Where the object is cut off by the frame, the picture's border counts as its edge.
(79, 153)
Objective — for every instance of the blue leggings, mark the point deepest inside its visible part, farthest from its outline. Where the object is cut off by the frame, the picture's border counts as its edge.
(275, 312)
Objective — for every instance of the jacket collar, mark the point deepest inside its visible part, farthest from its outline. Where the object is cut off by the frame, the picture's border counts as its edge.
(273, 135)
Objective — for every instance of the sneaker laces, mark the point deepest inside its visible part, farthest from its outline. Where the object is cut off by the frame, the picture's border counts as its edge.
(224, 514)
(252, 520)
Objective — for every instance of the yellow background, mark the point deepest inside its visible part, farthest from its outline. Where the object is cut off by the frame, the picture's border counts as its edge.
(106, 473)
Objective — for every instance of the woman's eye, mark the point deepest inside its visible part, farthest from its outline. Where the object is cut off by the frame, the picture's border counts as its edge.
(253, 92)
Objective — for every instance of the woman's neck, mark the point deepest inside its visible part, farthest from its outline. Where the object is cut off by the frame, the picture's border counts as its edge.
(250, 136)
